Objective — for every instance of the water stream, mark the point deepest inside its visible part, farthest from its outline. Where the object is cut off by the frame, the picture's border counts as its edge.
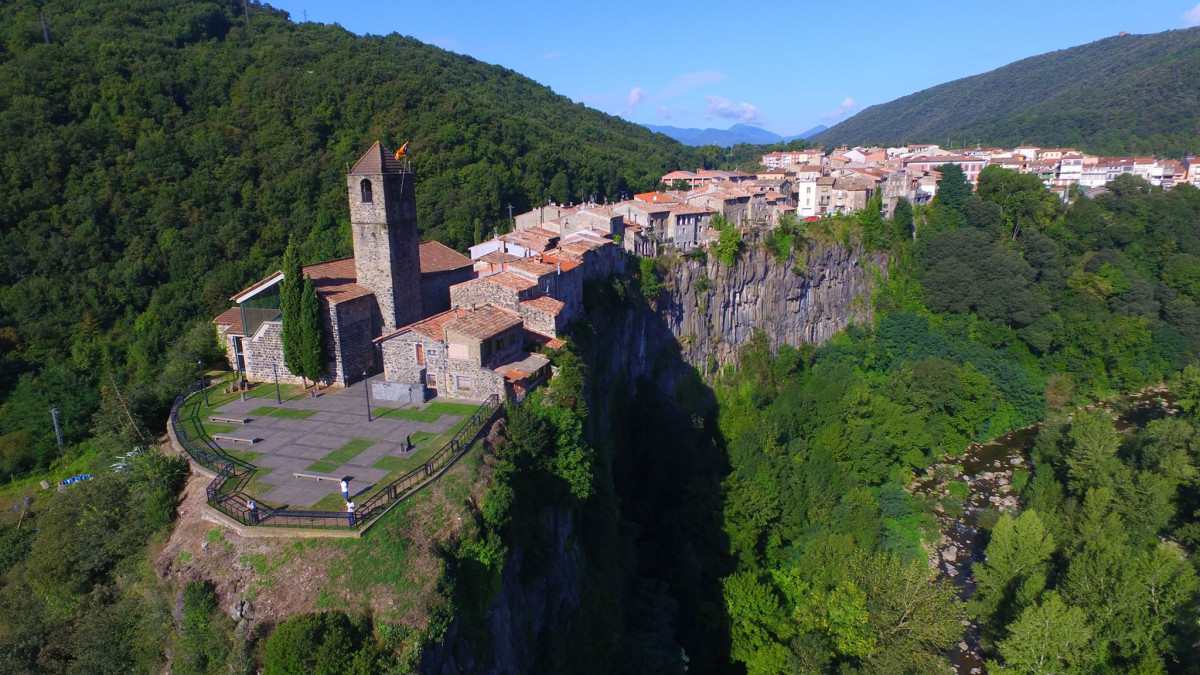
(988, 470)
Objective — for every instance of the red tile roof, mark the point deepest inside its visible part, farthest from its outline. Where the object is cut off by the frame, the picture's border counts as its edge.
(379, 159)
(531, 266)
(484, 322)
(437, 257)
(546, 305)
(497, 257)
(507, 280)
(231, 317)
(336, 280)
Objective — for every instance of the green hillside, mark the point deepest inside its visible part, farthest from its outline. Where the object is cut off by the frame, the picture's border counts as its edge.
(155, 157)
(1120, 95)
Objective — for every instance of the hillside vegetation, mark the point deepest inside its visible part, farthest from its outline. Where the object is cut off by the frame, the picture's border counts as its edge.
(156, 157)
(1119, 95)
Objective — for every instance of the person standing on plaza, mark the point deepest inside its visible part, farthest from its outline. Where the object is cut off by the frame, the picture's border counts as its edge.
(253, 511)
(350, 512)
(345, 489)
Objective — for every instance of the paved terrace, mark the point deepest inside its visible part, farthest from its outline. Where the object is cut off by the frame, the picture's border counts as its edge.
(330, 434)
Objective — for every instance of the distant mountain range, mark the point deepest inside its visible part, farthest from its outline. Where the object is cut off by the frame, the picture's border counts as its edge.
(1120, 95)
(738, 133)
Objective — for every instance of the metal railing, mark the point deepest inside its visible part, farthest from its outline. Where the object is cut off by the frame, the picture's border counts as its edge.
(226, 491)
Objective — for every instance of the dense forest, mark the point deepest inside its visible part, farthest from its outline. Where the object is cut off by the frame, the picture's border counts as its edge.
(156, 158)
(774, 524)
(1129, 94)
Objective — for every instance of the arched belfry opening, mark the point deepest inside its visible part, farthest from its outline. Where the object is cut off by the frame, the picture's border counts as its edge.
(365, 188)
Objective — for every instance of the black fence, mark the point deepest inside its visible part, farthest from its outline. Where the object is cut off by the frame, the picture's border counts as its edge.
(225, 493)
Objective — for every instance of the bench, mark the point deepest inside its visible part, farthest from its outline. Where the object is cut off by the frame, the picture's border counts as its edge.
(235, 439)
(313, 475)
(229, 420)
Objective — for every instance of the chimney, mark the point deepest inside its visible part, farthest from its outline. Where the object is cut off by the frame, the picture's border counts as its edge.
(456, 311)
(559, 265)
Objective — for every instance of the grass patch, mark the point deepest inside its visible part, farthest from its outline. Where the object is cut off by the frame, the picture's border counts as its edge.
(292, 413)
(244, 455)
(211, 429)
(331, 502)
(410, 414)
(330, 462)
(289, 413)
(447, 408)
(350, 450)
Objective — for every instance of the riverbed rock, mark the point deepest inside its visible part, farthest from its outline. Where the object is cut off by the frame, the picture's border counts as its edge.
(951, 553)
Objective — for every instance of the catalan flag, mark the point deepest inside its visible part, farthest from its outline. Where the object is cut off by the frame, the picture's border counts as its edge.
(403, 151)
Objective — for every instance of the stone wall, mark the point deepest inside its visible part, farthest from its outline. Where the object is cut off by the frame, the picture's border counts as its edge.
(264, 351)
(435, 288)
(348, 330)
(484, 292)
(541, 322)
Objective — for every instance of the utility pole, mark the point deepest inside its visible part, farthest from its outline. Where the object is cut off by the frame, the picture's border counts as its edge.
(57, 429)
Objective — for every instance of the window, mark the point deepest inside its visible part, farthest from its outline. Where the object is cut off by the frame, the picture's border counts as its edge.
(365, 187)
(431, 380)
(432, 352)
(462, 382)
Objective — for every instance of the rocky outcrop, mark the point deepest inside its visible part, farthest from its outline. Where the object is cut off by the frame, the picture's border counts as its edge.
(799, 300)
(792, 301)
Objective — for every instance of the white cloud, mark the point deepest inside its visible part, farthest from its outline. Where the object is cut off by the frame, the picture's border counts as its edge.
(848, 107)
(1191, 17)
(636, 96)
(719, 106)
(664, 113)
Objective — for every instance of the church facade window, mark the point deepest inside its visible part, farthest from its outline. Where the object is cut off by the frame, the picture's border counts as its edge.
(365, 187)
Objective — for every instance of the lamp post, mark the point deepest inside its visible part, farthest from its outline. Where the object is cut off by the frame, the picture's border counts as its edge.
(200, 365)
(275, 365)
(367, 392)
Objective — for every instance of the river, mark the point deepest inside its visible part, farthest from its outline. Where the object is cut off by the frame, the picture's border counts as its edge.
(988, 469)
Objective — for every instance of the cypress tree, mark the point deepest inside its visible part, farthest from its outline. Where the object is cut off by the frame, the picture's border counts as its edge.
(312, 339)
(290, 290)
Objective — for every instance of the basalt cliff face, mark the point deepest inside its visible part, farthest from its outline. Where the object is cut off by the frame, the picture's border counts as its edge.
(693, 323)
(794, 301)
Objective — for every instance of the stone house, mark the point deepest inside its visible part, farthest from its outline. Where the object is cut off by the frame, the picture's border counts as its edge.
(467, 353)
(687, 225)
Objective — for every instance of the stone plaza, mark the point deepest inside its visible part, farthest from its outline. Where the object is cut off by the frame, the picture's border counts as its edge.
(329, 436)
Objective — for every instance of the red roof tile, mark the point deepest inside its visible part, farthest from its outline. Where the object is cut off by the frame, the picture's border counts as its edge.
(484, 322)
(546, 305)
(379, 159)
(437, 257)
(231, 317)
(336, 281)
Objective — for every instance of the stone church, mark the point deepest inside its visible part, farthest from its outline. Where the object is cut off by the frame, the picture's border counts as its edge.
(392, 281)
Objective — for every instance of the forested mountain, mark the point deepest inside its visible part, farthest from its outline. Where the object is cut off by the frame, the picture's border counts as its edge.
(155, 157)
(1120, 95)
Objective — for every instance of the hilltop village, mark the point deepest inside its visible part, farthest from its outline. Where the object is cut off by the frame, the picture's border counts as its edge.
(431, 320)
(435, 322)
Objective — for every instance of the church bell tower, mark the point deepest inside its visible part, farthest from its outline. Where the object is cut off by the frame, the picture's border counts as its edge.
(383, 216)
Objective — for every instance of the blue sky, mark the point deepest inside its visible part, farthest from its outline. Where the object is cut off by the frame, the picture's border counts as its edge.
(785, 66)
